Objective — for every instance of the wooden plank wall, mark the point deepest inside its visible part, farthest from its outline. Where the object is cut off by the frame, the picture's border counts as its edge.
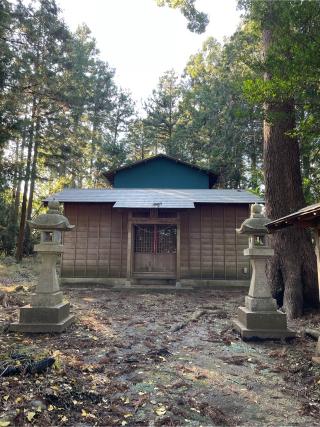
(97, 247)
(210, 246)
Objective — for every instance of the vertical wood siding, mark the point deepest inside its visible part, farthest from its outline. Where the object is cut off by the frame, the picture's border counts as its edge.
(210, 246)
(97, 246)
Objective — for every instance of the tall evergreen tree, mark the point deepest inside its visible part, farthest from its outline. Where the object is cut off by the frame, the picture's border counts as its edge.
(163, 114)
(139, 143)
(292, 270)
(44, 38)
(61, 114)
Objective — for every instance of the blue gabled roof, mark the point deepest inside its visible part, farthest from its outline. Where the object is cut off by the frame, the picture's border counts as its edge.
(161, 171)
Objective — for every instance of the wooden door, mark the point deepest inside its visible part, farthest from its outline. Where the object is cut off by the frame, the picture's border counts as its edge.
(155, 250)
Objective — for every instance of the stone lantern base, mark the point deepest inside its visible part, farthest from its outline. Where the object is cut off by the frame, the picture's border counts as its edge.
(43, 319)
(260, 317)
(262, 324)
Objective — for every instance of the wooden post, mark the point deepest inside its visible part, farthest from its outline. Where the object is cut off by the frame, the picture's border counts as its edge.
(129, 254)
(317, 241)
(178, 272)
(316, 357)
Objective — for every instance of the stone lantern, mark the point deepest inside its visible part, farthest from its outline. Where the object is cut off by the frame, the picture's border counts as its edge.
(260, 317)
(48, 312)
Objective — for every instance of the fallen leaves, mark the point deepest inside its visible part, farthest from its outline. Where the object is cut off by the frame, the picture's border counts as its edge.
(122, 365)
(279, 353)
(30, 415)
(127, 415)
(86, 414)
(160, 410)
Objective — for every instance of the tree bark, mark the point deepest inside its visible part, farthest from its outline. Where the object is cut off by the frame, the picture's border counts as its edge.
(292, 270)
(34, 168)
(27, 245)
(253, 157)
(93, 148)
(19, 251)
(20, 177)
(15, 181)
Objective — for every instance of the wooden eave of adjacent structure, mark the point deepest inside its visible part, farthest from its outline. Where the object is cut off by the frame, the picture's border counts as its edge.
(305, 217)
(110, 175)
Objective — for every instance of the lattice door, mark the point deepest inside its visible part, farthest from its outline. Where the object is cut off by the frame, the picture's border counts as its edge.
(155, 247)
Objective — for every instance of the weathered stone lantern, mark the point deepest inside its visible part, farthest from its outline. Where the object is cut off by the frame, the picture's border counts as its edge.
(48, 312)
(260, 317)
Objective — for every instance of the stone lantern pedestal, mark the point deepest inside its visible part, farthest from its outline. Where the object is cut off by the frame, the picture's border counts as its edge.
(259, 318)
(48, 312)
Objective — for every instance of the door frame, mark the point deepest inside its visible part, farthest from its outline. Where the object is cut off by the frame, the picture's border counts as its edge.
(130, 248)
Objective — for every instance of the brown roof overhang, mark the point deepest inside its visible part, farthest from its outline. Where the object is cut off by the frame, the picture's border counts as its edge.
(305, 217)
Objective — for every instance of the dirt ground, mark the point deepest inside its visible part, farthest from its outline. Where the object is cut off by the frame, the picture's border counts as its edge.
(126, 362)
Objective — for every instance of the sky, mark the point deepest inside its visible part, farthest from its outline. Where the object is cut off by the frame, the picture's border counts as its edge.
(142, 41)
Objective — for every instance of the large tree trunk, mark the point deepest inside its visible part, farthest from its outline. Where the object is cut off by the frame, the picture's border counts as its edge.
(292, 271)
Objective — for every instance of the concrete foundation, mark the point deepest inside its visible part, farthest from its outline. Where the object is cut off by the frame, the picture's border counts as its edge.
(152, 288)
(111, 282)
(262, 324)
(43, 319)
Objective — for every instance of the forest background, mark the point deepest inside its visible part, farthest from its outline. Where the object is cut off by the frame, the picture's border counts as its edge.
(63, 119)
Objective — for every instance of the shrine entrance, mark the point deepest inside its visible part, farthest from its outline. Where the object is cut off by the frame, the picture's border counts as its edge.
(155, 250)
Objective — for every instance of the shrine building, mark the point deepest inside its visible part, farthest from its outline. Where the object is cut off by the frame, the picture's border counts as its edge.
(160, 221)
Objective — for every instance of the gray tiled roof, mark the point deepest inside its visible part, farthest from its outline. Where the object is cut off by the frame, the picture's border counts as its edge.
(150, 198)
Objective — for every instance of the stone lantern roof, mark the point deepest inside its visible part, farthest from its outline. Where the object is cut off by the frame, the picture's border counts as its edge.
(52, 220)
(256, 224)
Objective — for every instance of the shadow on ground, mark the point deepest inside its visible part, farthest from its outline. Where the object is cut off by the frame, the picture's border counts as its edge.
(125, 362)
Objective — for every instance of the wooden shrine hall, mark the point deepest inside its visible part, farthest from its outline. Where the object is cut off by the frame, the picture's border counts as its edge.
(159, 221)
